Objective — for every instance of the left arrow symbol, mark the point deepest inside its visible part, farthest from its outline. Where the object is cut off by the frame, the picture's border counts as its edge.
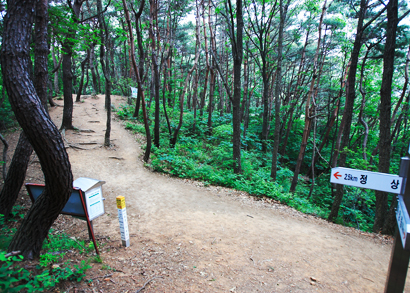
(337, 175)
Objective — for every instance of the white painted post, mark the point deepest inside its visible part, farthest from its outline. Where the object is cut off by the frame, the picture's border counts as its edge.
(122, 217)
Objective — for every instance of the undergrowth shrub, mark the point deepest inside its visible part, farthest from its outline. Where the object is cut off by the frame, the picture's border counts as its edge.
(52, 268)
(207, 156)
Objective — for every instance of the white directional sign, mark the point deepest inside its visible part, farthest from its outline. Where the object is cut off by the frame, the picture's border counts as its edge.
(366, 179)
(134, 92)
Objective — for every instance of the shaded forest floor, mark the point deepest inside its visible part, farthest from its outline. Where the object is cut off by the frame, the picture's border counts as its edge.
(187, 237)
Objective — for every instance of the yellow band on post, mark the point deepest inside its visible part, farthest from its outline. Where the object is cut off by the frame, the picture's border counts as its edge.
(120, 202)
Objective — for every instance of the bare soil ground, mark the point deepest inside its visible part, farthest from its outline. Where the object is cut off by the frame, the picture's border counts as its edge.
(187, 237)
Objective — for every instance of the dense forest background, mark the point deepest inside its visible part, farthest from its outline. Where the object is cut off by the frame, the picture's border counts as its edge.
(262, 96)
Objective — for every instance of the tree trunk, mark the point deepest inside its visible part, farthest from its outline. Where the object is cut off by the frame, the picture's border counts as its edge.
(195, 98)
(68, 46)
(16, 175)
(55, 63)
(212, 81)
(141, 54)
(93, 69)
(296, 96)
(83, 65)
(40, 130)
(155, 71)
(345, 124)
(139, 81)
(385, 111)
(308, 109)
(275, 149)
(104, 60)
(237, 54)
(18, 167)
(181, 99)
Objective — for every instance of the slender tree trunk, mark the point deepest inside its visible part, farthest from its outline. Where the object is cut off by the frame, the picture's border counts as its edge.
(334, 114)
(212, 81)
(87, 78)
(363, 93)
(83, 66)
(296, 96)
(93, 69)
(164, 100)
(68, 46)
(308, 109)
(139, 81)
(141, 54)
(55, 63)
(275, 149)
(237, 52)
(181, 99)
(104, 60)
(345, 124)
(195, 98)
(208, 67)
(155, 71)
(385, 112)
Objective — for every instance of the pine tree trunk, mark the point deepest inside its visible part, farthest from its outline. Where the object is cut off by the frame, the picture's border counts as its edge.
(275, 149)
(68, 46)
(38, 127)
(345, 124)
(385, 111)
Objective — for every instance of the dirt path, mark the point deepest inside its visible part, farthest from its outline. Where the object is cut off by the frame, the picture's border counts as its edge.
(191, 238)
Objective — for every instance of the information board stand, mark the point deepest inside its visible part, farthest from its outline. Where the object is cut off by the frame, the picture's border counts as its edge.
(78, 205)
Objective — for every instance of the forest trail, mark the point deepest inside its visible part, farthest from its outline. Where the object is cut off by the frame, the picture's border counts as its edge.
(186, 237)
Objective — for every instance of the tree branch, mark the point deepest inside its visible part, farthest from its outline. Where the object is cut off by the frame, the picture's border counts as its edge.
(222, 77)
(94, 16)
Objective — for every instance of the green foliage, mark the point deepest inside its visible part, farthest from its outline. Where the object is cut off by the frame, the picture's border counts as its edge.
(125, 113)
(49, 272)
(208, 158)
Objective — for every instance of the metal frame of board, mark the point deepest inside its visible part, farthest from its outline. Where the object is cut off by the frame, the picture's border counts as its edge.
(29, 187)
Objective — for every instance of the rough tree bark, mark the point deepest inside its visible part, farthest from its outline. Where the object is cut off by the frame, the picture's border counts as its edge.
(68, 44)
(40, 130)
(56, 65)
(237, 54)
(346, 122)
(141, 54)
(83, 68)
(308, 109)
(155, 76)
(283, 11)
(385, 111)
(21, 157)
(106, 71)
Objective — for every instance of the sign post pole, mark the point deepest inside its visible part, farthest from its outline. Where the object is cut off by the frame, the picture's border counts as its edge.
(400, 256)
(122, 217)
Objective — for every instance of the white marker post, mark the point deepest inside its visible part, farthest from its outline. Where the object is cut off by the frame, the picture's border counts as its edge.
(122, 217)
